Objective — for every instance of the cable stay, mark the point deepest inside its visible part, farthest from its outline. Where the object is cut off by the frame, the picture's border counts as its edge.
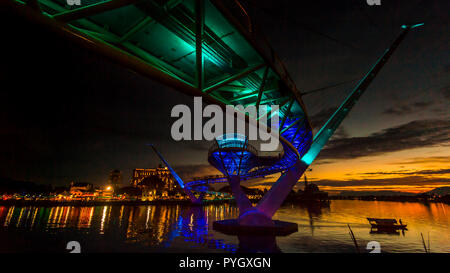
(328, 87)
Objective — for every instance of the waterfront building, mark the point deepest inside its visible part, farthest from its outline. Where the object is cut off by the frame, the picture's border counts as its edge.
(80, 187)
(312, 193)
(155, 183)
(81, 190)
(160, 172)
(115, 179)
(104, 193)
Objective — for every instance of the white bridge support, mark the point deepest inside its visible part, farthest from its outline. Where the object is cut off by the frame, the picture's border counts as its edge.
(277, 194)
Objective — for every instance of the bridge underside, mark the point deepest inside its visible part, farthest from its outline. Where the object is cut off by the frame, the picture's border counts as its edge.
(194, 43)
(200, 47)
(197, 47)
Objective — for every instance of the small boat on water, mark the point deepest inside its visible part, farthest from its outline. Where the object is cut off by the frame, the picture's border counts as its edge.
(387, 224)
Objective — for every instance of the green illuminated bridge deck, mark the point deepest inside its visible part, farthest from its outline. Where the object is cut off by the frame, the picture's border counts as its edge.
(199, 47)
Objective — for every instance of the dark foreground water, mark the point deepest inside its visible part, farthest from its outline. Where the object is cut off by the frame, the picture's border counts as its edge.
(189, 229)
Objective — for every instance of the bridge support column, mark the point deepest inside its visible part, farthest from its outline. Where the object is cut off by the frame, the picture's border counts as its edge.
(262, 214)
(258, 220)
(239, 195)
(277, 194)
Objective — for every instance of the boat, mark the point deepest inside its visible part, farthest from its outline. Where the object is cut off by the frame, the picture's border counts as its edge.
(387, 224)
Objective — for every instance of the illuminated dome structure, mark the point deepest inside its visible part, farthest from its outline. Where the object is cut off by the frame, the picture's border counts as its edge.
(231, 154)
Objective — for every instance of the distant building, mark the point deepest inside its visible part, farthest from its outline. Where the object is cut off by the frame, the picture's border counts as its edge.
(115, 179)
(152, 182)
(160, 172)
(81, 189)
(103, 193)
(311, 192)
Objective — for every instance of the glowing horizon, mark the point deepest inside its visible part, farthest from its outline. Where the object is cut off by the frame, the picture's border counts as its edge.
(399, 171)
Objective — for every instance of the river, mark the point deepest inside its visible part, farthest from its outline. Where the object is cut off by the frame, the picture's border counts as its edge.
(181, 228)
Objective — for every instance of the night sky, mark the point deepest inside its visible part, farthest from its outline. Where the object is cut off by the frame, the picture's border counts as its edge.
(67, 114)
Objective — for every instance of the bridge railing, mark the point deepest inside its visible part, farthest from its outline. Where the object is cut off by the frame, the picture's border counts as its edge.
(236, 144)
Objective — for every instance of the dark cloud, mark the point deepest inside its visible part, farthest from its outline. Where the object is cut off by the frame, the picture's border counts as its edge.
(341, 132)
(410, 172)
(415, 134)
(417, 181)
(424, 160)
(319, 119)
(414, 180)
(191, 172)
(408, 109)
(446, 92)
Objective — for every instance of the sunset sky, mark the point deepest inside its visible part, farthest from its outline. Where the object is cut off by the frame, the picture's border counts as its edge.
(70, 115)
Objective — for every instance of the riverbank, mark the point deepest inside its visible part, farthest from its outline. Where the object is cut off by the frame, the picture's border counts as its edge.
(420, 199)
(48, 203)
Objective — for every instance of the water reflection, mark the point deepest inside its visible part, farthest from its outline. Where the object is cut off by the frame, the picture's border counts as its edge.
(258, 244)
(389, 232)
(314, 211)
(145, 225)
(268, 244)
(327, 231)
(189, 228)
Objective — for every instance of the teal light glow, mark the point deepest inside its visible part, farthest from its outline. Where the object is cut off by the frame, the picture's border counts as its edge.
(317, 145)
(309, 157)
(417, 25)
(413, 26)
(206, 51)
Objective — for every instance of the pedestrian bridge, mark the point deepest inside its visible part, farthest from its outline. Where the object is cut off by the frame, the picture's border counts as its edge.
(212, 49)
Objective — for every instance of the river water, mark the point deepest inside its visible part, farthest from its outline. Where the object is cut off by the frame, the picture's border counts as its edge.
(180, 228)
